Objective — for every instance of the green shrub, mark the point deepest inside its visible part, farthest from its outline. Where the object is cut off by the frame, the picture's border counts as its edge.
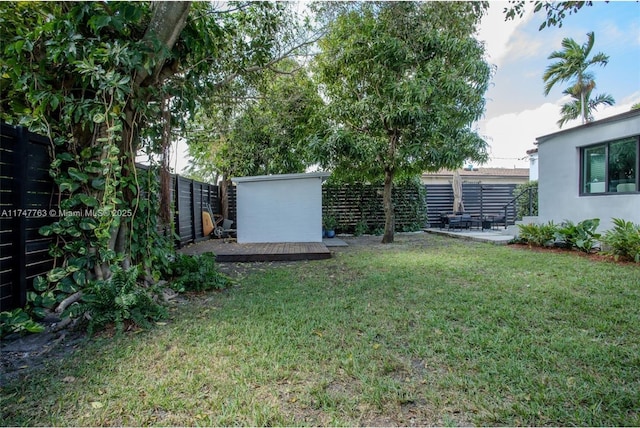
(539, 235)
(361, 228)
(522, 204)
(197, 273)
(623, 241)
(118, 300)
(581, 236)
(18, 321)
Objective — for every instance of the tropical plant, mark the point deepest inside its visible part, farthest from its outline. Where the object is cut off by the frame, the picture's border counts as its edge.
(404, 82)
(107, 80)
(118, 300)
(522, 204)
(329, 222)
(539, 235)
(18, 321)
(197, 273)
(573, 62)
(573, 109)
(623, 241)
(581, 236)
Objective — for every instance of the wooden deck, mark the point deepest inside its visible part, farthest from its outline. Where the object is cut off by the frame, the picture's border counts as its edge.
(282, 251)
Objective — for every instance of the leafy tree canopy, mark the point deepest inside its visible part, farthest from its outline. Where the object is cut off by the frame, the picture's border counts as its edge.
(106, 79)
(404, 81)
(556, 12)
(263, 130)
(571, 64)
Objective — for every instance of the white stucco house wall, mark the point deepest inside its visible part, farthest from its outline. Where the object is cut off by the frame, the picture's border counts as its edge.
(279, 208)
(533, 164)
(591, 171)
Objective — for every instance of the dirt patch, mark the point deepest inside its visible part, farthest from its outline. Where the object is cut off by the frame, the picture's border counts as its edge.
(21, 355)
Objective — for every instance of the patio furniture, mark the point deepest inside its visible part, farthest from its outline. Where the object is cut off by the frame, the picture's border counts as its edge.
(492, 221)
(461, 221)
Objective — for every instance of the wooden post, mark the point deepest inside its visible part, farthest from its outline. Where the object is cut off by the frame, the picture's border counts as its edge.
(177, 210)
(19, 281)
(193, 211)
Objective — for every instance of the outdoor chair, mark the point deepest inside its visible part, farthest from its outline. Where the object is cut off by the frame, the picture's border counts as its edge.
(460, 221)
(498, 219)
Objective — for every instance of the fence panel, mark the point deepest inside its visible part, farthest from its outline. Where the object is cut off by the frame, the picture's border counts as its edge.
(27, 188)
(479, 200)
(28, 201)
(353, 204)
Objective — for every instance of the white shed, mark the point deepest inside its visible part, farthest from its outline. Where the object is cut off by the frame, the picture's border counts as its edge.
(279, 208)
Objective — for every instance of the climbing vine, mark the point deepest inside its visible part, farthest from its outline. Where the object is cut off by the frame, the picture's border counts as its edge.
(105, 80)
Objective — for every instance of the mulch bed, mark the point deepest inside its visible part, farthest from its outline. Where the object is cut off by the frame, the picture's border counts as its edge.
(594, 256)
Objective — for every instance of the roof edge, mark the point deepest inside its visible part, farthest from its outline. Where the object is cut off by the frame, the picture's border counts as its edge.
(614, 118)
(303, 175)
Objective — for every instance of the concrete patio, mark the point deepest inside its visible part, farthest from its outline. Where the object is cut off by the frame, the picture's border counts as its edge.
(497, 237)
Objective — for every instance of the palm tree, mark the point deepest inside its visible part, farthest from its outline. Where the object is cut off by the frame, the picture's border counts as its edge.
(573, 109)
(572, 65)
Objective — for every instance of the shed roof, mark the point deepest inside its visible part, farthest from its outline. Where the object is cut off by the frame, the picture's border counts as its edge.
(319, 174)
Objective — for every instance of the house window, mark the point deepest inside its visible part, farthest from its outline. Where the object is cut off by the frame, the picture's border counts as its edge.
(610, 167)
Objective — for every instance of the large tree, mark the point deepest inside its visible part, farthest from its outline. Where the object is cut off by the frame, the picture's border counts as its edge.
(404, 82)
(571, 65)
(265, 130)
(259, 128)
(107, 79)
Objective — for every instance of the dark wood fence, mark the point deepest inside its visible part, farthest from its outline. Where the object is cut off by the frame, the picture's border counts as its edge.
(29, 200)
(357, 203)
(479, 199)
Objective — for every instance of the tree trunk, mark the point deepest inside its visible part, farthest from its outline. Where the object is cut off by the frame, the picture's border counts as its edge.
(387, 201)
(583, 107)
(224, 196)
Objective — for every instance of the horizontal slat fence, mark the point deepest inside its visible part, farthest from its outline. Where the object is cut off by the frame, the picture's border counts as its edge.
(479, 199)
(27, 199)
(25, 185)
(353, 204)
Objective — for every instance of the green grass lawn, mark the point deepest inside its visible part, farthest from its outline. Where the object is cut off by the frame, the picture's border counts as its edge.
(427, 331)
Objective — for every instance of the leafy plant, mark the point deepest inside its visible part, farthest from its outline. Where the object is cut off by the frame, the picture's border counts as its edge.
(361, 228)
(197, 273)
(581, 236)
(623, 241)
(118, 300)
(330, 222)
(18, 321)
(539, 235)
(522, 204)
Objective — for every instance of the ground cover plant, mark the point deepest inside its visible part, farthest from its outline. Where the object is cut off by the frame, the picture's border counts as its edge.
(426, 331)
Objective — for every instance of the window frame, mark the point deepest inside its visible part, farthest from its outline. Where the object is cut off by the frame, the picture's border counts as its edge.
(607, 144)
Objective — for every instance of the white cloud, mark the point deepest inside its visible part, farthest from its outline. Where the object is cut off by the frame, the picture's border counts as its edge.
(511, 135)
(497, 33)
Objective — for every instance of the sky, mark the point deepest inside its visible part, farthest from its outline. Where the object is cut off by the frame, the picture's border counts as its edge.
(517, 112)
